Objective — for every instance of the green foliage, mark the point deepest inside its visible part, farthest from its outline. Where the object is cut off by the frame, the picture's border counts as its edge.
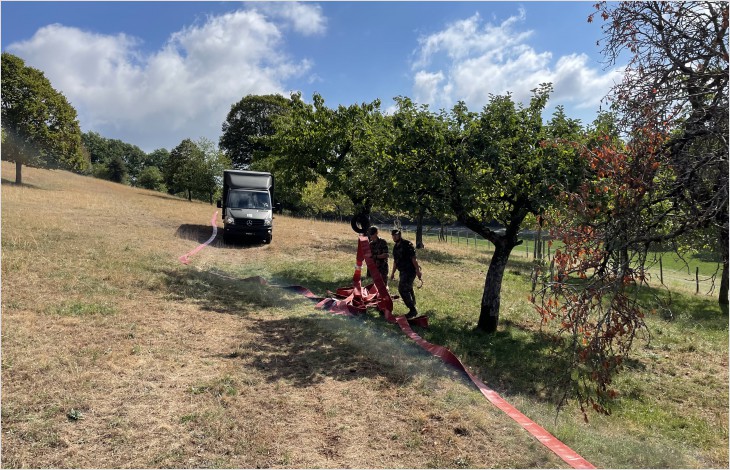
(109, 152)
(417, 147)
(502, 171)
(184, 162)
(157, 158)
(151, 178)
(195, 169)
(315, 202)
(247, 122)
(117, 169)
(340, 145)
(506, 164)
(41, 129)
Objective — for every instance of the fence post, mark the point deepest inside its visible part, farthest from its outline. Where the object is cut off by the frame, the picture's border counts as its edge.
(661, 271)
(697, 280)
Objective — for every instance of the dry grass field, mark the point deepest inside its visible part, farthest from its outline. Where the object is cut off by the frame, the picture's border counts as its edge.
(116, 355)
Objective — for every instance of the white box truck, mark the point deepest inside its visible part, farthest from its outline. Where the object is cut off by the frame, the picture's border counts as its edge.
(247, 205)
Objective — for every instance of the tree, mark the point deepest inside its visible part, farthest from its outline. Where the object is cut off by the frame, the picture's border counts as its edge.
(591, 291)
(105, 153)
(417, 146)
(196, 169)
(157, 158)
(184, 166)
(677, 82)
(40, 125)
(96, 145)
(116, 169)
(501, 172)
(342, 145)
(315, 202)
(151, 178)
(666, 181)
(247, 122)
(210, 173)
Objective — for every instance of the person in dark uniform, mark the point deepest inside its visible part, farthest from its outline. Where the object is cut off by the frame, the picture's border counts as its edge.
(404, 260)
(379, 252)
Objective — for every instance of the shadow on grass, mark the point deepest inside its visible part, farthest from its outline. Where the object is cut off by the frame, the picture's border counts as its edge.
(424, 254)
(202, 233)
(315, 282)
(194, 232)
(515, 359)
(21, 185)
(300, 351)
(696, 311)
(219, 292)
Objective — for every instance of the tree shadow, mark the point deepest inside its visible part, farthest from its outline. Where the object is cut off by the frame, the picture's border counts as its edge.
(219, 292)
(21, 185)
(440, 257)
(168, 197)
(694, 311)
(312, 281)
(296, 350)
(514, 360)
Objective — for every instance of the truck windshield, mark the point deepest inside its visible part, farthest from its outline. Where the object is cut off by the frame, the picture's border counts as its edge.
(249, 200)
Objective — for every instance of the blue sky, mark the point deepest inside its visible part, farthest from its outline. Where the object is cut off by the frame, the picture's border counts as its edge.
(155, 73)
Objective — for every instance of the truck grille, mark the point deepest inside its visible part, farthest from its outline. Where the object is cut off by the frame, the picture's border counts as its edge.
(245, 222)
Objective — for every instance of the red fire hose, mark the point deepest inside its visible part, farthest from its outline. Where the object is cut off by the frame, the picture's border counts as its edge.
(357, 299)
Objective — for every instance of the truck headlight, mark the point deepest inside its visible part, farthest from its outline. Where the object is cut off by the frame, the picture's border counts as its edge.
(230, 220)
(267, 222)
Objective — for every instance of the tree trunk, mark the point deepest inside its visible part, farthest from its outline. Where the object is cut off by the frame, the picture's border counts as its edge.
(724, 241)
(419, 230)
(489, 315)
(18, 172)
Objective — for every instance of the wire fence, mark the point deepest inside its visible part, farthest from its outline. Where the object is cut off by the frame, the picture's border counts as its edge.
(689, 279)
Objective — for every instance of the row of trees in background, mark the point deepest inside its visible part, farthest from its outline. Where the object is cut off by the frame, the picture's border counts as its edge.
(652, 171)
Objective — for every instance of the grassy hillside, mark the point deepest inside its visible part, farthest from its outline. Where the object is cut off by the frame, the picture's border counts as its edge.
(114, 354)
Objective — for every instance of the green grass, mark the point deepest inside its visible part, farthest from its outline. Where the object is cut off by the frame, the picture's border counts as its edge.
(672, 400)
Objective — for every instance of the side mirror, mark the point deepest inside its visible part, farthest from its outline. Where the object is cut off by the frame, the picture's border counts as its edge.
(277, 206)
(219, 204)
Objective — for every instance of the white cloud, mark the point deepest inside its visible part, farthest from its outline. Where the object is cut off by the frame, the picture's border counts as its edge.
(183, 90)
(306, 18)
(427, 86)
(474, 59)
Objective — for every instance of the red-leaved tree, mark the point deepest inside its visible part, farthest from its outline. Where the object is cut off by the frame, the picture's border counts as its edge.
(591, 288)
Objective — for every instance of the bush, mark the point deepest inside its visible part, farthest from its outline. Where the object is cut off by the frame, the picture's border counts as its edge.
(151, 178)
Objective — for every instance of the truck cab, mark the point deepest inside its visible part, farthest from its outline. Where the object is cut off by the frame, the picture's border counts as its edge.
(247, 203)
